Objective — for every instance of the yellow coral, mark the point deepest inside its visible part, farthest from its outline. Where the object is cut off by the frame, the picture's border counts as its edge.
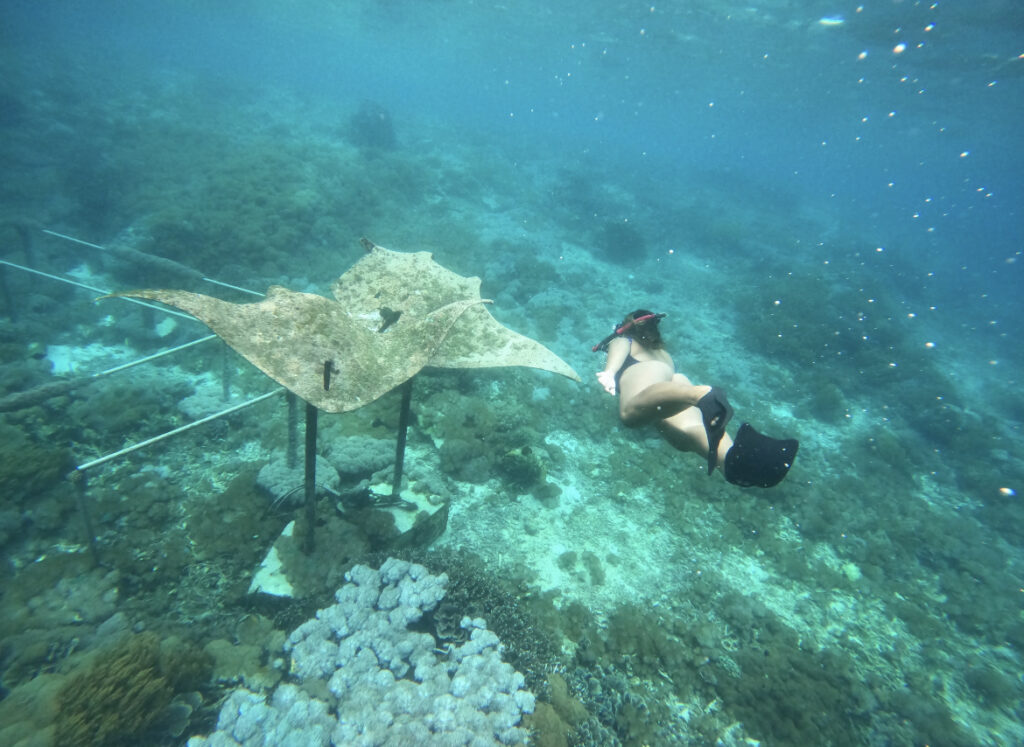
(117, 699)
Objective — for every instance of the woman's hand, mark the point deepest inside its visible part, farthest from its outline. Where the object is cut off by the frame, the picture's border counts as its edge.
(607, 380)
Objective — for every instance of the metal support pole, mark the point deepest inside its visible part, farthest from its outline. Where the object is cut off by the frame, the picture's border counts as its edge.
(12, 311)
(25, 236)
(160, 263)
(403, 429)
(52, 389)
(101, 291)
(79, 479)
(293, 430)
(24, 231)
(180, 429)
(78, 474)
(311, 423)
(311, 418)
(225, 372)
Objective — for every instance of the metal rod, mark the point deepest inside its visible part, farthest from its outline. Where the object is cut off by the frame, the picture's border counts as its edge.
(176, 431)
(12, 311)
(293, 430)
(310, 485)
(101, 291)
(83, 510)
(52, 277)
(150, 258)
(43, 392)
(234, 287)
(71, 238)
(152, 357)
(24, 231)
(225, 372)
(403, 429)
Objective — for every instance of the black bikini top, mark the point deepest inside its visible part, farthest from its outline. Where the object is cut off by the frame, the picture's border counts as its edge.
(630, 361)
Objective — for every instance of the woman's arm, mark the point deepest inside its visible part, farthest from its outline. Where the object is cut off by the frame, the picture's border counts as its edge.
(618, 349)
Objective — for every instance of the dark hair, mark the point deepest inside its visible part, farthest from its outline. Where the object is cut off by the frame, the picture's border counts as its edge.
(646, 332)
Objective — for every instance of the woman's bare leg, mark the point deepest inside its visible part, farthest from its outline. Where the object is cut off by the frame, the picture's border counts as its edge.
(660, 401)
(686, 433)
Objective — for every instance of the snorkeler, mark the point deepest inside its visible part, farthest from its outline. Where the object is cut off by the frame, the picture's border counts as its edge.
(690, 417)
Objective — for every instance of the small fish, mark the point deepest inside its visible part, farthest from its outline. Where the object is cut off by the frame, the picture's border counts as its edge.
(829, 21)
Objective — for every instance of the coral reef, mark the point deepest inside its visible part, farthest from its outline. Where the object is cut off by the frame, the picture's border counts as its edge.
(621, 242)
(359, 456)
(60, 590)
(521, 468)
(368, 677)
(291, 718)
(284, 483)
(371, 127)
(503, 598)
(871, 599)
(27, 467)
(126, 692)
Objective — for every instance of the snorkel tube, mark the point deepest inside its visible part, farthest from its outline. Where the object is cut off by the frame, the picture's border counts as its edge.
(603, 345)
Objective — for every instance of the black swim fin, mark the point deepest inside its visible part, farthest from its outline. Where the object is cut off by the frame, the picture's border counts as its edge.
(716, 412)
(756, 459)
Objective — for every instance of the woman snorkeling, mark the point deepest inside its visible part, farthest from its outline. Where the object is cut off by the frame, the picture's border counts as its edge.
(690, 417)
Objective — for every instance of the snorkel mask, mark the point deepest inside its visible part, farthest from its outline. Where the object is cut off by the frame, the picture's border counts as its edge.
(625, 327)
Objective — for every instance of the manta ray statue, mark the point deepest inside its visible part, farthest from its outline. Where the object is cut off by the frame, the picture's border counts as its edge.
(393, 314)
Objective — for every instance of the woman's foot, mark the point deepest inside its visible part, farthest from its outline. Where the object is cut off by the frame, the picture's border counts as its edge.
(716, 412)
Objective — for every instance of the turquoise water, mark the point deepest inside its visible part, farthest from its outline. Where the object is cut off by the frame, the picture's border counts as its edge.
(823, 198)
